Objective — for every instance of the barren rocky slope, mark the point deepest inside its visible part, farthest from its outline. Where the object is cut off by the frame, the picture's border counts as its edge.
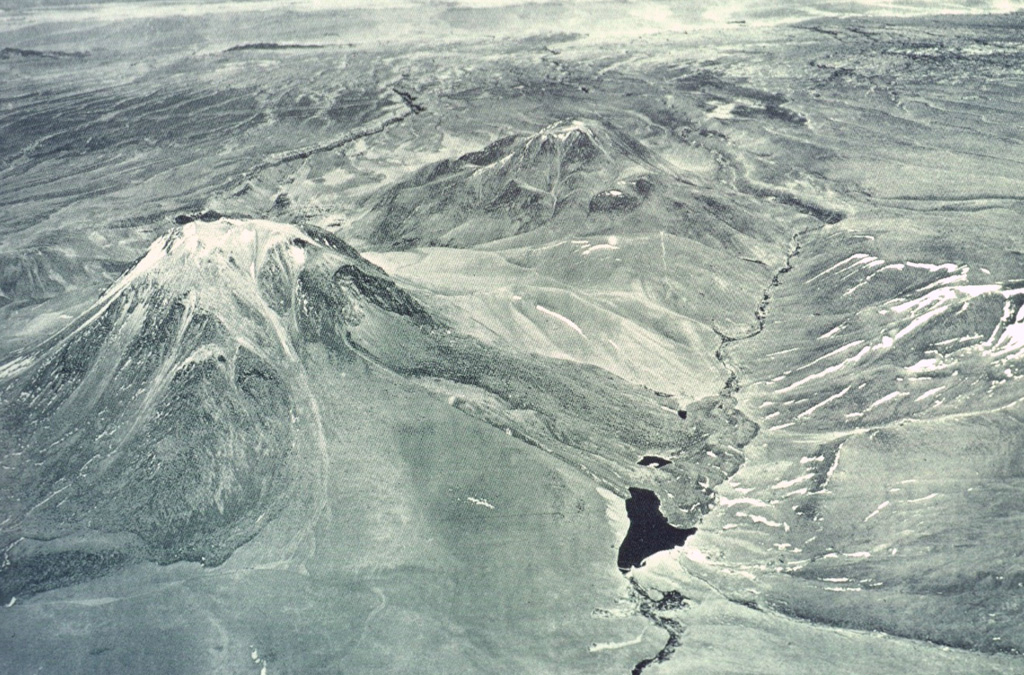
(380, 339)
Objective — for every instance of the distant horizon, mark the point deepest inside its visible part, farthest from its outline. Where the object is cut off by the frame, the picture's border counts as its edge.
(670, 14)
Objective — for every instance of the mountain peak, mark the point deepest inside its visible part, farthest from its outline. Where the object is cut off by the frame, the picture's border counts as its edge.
(575, 143)
(512, 186)
(246, 244)
(570, 130)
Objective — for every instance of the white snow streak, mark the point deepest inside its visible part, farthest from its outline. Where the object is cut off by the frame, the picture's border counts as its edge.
(556, 315)
(810, 411)
(604, 646)
(480, 502)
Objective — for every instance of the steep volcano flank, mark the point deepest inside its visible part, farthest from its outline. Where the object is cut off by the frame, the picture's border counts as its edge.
(565, 176)
(173, 418)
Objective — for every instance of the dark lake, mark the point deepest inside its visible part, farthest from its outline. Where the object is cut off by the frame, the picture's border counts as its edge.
(649, 530)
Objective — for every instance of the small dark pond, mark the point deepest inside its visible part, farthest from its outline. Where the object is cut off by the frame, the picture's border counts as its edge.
(649, 531)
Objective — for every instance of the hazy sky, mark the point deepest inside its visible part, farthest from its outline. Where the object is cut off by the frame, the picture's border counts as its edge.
(461, 17)
(711, 10)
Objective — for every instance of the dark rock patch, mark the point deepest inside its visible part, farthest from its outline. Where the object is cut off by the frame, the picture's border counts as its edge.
(14, 52)
(263, 46)
(613, 200)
